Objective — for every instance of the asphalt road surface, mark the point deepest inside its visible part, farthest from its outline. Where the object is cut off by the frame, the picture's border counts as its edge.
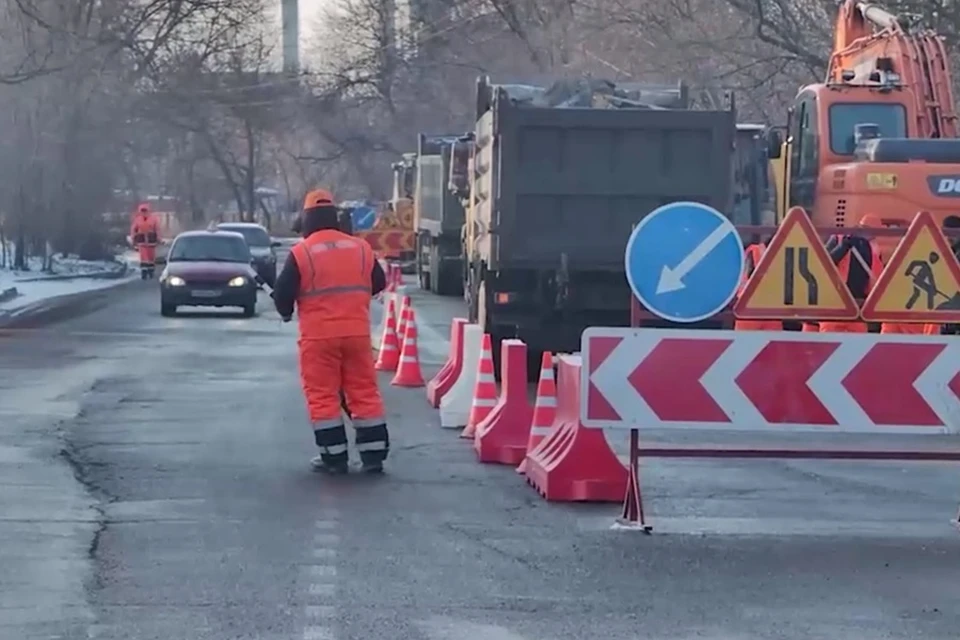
(154, 485)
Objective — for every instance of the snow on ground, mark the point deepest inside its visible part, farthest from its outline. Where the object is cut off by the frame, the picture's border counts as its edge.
(31, 292)
(35, 285)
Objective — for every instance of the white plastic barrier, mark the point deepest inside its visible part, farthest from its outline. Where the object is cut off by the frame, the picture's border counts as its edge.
(455, 405)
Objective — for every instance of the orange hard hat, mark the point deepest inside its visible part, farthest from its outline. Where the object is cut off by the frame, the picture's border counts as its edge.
(143, 208)
(871, 221)
(318, 198)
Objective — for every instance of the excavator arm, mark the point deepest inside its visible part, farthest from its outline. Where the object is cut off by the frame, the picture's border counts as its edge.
(872, 48)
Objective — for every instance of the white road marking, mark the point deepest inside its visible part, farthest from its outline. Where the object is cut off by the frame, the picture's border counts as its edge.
(322, 539)
(322, 571)
(317, 633)
(321, 610)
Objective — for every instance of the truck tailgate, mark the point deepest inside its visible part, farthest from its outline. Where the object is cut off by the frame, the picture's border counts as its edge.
(576, 181)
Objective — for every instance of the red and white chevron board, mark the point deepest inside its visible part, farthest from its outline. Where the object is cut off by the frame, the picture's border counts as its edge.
(662, 378)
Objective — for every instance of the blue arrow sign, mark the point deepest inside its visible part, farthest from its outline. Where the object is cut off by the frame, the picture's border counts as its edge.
(363, 218)
(684, 261)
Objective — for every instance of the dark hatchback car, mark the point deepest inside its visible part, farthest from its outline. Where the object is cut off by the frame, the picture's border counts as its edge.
(208, 269)
(262, 248)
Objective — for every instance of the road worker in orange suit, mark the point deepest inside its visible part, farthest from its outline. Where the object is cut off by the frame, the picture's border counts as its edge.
(145, 235)
(753, 254)
(859, 276)
(330, 277)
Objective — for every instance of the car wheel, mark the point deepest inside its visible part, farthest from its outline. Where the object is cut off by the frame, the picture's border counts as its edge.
(168, 310)
(250, 310)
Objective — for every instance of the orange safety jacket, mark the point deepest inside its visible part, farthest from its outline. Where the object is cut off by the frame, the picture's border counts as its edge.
(858, 282)
(335, 285)
(753, 254)
(145, 230)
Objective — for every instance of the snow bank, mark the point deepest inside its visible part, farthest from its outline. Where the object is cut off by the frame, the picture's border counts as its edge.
(37, 290)
(69, 275)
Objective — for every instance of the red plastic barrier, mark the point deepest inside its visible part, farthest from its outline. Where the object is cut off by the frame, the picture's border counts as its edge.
(441, 383)
(574, 463)
(502, 436)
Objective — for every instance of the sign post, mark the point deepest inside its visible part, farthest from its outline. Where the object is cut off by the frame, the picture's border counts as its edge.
(684, 262)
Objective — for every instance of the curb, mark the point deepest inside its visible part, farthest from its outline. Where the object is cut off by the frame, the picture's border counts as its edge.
(106, 274)
(57, 308)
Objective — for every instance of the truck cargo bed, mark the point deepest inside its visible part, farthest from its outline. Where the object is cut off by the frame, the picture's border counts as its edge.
(554, 181)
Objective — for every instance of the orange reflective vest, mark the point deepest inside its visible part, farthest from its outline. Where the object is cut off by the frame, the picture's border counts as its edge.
(335, 282)
(859, 282)
(145, 230)
(753, 254)
(855, 278)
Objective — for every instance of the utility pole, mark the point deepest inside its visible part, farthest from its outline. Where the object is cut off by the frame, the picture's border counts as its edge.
(290, 19)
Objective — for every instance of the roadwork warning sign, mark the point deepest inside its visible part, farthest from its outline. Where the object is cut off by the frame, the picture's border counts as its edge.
(796, 279)
(921, 281)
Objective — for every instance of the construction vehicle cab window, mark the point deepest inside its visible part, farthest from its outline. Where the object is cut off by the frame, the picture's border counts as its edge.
(889, 120)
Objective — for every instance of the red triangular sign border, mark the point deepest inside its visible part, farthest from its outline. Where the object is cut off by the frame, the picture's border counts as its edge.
(796, 217)
(923, 220)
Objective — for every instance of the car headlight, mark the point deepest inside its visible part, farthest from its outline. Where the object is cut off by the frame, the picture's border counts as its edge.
(176, 281)
(239, 281)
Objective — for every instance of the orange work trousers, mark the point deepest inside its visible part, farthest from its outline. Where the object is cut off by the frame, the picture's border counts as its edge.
(329, 365)
(148, 254)
(903, 328)
(758, 325)
(847, 326)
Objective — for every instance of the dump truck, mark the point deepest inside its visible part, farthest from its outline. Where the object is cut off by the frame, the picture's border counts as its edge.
(754, 193)
(560, 177)
(438, 218)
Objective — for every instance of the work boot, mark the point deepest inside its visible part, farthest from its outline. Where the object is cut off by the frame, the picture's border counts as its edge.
(334, 468)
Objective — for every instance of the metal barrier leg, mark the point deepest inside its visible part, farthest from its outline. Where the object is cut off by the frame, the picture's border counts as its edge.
(632, 515)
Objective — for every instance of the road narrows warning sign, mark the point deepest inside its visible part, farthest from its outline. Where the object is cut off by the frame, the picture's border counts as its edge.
(921, 281)
(796, 279)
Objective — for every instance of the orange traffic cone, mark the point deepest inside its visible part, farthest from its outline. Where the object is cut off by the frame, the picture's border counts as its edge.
(389, 356)
(544, 409)
(485, 390)
(408, 371)
(405, 312)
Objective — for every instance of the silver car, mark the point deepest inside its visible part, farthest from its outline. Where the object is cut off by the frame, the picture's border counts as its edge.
(263, 249)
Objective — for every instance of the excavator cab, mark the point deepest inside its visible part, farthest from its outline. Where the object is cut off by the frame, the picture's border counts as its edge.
(879, 135)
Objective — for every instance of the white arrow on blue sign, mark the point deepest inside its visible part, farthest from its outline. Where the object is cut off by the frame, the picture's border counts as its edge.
(684, 261)
(363, 218)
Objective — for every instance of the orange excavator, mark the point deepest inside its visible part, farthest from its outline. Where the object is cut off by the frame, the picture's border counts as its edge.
(879, 136)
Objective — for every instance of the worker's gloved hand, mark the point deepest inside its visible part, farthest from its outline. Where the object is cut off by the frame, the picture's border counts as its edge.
(286, 318)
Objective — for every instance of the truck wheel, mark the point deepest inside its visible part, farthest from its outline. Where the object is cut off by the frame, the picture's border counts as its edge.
(436, 276)
(448, 284)
(423, 277)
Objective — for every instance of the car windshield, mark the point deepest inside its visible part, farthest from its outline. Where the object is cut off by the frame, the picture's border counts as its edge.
(891, 119)
(209, 248)
(255, 236)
